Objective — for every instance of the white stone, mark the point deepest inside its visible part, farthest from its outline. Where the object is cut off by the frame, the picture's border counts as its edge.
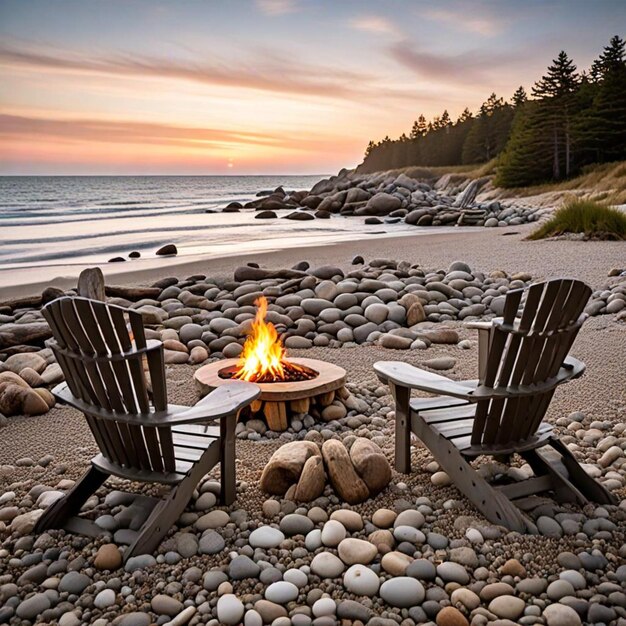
(104, 599)
(229, 609)
(327, 565)
(48, 498)
(313, 540)
(333, 533)
(281, 592)
(323, 607)
(361, 580)
(353, 551)
(252, 618)
(507, 607)
(402, 592)
(296, 577)
(561, 615)
(266, 537)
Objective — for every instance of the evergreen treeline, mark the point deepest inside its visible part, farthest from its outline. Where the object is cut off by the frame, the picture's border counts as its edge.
(571, 119)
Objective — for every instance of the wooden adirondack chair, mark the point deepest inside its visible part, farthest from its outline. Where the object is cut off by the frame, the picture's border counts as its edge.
(101, 349)
(522, 360)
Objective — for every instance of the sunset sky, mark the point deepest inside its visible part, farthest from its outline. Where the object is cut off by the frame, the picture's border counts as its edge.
(261, 86)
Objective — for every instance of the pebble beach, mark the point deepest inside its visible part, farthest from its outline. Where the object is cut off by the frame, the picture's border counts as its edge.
(415, 553)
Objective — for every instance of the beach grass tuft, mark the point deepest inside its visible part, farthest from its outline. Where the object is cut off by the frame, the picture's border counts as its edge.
(593, 219)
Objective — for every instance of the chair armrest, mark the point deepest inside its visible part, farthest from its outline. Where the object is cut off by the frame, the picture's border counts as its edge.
(478, 325)
(224, 401)
(405, 375)
(572, 368)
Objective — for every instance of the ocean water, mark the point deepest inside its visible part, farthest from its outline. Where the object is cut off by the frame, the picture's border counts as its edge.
(52, 226)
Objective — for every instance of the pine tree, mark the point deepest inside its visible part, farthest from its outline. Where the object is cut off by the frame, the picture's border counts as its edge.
(465, 116)
(612, 57)
(436, 123)
(555, 90)
(519, 97)
(489, 132)
(600, 128)
(527, 156)
(419, 127)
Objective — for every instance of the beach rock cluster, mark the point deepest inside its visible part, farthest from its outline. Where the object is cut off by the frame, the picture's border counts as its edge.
(395, 198)
(391, 303)
(300, 470)
(611, 298)
(24, 378)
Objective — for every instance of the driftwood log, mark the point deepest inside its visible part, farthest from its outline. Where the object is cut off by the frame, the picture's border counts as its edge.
(22, 303)
(132, 293)
(16, 334)
(91, 284)
(257, 273)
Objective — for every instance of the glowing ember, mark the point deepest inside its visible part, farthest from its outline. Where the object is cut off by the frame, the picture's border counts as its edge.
(263, 359)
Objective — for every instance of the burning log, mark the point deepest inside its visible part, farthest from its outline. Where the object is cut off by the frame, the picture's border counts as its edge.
(263, 359)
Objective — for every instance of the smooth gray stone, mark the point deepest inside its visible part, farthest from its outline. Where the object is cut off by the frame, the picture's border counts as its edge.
(243, 567)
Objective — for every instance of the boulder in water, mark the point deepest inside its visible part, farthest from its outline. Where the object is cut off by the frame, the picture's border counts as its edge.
(167, 250)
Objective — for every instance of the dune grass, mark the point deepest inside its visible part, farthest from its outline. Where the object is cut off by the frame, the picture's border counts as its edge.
(593, 219)
(605, 183)
(420, 172)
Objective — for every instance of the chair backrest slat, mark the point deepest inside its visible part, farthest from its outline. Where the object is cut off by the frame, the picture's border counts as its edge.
(167, 448)
(101, 349)
(524, 351)
(488, 413)
(77, 380)
(137, 381)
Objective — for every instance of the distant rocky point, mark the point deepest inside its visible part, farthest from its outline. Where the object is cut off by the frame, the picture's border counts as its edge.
(389, 197)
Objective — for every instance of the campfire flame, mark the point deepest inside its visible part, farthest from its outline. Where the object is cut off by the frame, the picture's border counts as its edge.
(263, 358)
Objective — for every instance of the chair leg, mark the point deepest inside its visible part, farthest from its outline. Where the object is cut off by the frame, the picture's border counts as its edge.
(70, 504)
(166, 512)
(564, 490)
(590, 487)
(228, 478)
(402, 397)
(495, 506)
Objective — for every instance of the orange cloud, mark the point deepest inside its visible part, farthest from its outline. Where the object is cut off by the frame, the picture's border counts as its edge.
(268, 73)
(123, 145)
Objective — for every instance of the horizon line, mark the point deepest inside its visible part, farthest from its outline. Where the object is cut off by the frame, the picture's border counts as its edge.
(152, 175)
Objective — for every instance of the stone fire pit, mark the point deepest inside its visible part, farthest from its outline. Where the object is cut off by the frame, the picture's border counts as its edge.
(281, 400)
